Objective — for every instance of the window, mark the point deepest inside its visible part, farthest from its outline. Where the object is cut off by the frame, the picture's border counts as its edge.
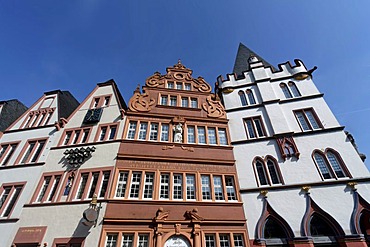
(165, 186)
(135, 185)
(243, 98)
(127, 240)
(254, 127)
(224, 240)
(6, 152)
(177, 186)
(91, 183)
(33, 151)
(238, 240)
(190, 187)
(230, 188)
(330, 164)
(111, 240)
(142, 131)
(131, 130)
(48, 188)
(212, 136)
(148, 185)
(153, 136)
(100, 101)
(267, 172)
(121, 184)
(164, 133)
(294, 89)
(143, 240)
(194, 103)
(96, 102)
(307, 119)
(107, 132)
(173, 101)
(217, 185)
(164, 100)
(9, 194)
(179, 85)
(187, 86)
(285, 90)
(106, 100)
(251, 99)
(39, 117)
(201, 135)
(206, 190)
(191, 134)
(222, 136)
(170, 84)
(184, 101)
(210, 240)
(76, 136)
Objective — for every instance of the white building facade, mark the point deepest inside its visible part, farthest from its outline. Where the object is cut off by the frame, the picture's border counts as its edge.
(67, 201)
(302, 179)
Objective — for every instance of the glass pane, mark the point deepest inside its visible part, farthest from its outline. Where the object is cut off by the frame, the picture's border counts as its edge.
(273, 173)
(261, 173)
(217, 184)
(335, 164)
(206, 190)
(322, 166)
(164, 133)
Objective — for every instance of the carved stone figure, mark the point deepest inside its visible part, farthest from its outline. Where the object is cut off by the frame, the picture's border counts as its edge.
(178, 133)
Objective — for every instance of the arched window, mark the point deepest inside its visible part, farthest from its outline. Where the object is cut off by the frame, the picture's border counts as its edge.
(323, 166)
(288, 149)
(261, 172)
(365, 224)
(286, 91)
(251, 99)
(319, 227)
(243, 99)
(267, 172)
(330, 164)
(294, 89)
(273, 173)
(272, 229)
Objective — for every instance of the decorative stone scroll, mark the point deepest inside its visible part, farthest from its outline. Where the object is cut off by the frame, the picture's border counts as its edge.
(155, 80)
(141, 102)
(193, 215)
(214, 108)
(202, 85)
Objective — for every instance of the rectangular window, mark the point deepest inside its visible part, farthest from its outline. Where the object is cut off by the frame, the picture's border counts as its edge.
(165, 186)
(201, 135)
(153, 136)
(103, 132)
(143, 130)
(111, 240)
(230, 188)
(212, 136)
(187, 86)
(177, 186)
(33, 151)
(148, 185)
(307, 119)
(127, 240)
(85, 135)
(184, 101)
(106, 101)
(135, 185)
(164, 133)
(194, 103)
(96, 102)
(121, 184)
(8, 199)
(191, 134)
(210, 240)
(224, 240)
(190, 187)
(254, 127)
(93, 183)
(143, 240)
(131, 130)
(164, 100)
(206, 189)
(112, 132)
(81, 187)
(77, 135)
(173, 101)
(217, 184)
(6, 153)
(238, 240)
(179, 85)
(67, 137)
(222, 136)
(170, 84)
(49, 188)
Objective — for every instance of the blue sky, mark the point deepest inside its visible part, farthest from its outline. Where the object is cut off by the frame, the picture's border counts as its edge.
(72, 45)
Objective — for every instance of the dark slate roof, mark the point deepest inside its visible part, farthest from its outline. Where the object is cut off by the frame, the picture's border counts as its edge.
(12, 110)
(241, 60)
(67, 103)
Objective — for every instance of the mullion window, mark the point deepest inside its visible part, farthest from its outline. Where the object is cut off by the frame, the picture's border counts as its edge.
(121, 184)
(6, 153)
(210, 240)
(142, 131)
(111, 240)
(44, 187)
(135, 185)
(131, 130)
(164, 132)
(224, 240)
(127, 240)
(14, 197)
(218, 188)
(206, 187)
(164, 186)
(230, 188)
(201, 135)
(177, 186)
(153, 136)
(191, 134)
(104, 184)
(190, 187)
(323, 166)
(335, 164)
(148, 185)
(212, 136)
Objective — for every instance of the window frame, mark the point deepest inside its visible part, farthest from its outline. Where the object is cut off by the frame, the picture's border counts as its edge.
(108, 131)
(100, 101)
(31, 154)
(4, 207)
(72, 137)
(267, 171)
(307, 120)
(329, 166)
(8, 153)
(256, 131)
(49, 189)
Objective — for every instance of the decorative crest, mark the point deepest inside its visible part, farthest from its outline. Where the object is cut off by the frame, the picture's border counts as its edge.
(214, 108)
(141, 102)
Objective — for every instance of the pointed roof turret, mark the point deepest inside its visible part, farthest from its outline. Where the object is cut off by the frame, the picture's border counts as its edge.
(242, 60)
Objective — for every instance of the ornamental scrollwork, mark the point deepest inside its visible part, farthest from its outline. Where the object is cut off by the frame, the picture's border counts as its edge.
(155, 80)
(214, 108)
(141, 102)
(202, 85)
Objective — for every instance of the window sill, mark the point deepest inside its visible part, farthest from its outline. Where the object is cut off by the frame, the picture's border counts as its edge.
(22, 165)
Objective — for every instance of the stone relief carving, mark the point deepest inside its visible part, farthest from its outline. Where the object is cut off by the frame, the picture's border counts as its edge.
(161, 214)
(141, 102)
(202, 85)
(193, 215)
(214, 108)
(155, 80)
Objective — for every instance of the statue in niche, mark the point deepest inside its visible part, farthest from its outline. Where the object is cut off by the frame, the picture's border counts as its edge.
(178, 133)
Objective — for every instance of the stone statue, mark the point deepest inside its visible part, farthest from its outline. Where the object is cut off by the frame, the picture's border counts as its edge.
(178, 133)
